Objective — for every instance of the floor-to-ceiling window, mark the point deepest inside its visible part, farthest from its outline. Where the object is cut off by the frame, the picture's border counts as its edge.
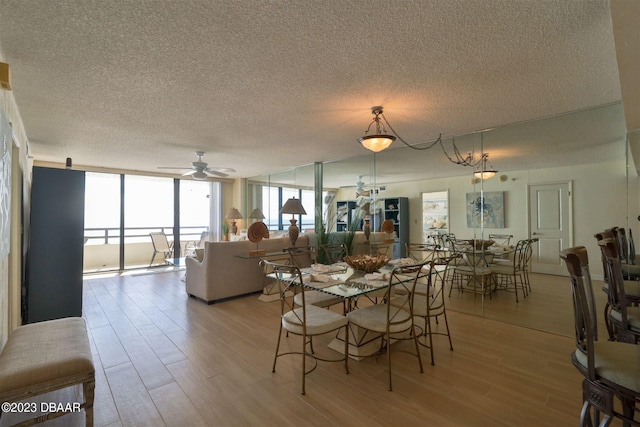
(101, 222)
(145, 204)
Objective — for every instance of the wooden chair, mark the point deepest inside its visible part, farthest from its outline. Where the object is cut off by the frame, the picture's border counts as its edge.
(611, 370)
(623, 319)
(305, 320)
(391, 319)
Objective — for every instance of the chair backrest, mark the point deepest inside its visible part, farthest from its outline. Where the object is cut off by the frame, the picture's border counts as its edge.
(632, 249)
(434, 275)
(334, 252)
(289, 280)
(606, 234)
(380, 249)
(402, 280)
(617, 297)
(584, 312)
(302, 256)
(422, 252)
(160, 241)
(501, 239)
(204, 236)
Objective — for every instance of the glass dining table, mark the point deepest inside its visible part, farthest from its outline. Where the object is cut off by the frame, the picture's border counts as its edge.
(341, 280)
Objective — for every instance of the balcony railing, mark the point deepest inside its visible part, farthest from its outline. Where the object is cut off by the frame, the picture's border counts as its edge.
(102, 246)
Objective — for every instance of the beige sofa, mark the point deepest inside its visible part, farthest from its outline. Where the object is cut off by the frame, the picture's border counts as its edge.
(224, 269)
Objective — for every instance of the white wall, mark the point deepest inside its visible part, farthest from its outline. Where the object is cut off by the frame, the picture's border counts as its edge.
(9, 318)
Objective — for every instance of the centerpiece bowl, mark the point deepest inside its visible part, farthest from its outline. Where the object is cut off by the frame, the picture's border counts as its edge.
(366, 263)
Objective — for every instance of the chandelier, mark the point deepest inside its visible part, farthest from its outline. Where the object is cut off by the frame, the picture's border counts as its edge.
(381, 141)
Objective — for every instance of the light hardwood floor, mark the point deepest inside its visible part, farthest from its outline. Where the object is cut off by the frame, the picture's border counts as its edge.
(163, 358)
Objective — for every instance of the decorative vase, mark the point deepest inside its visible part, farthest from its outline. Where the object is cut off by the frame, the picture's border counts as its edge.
(367, 228)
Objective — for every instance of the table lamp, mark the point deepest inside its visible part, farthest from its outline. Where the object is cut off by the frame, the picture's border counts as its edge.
(257, 215)
(294, 207)
(233, 214)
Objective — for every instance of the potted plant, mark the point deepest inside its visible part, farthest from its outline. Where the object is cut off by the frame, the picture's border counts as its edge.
(225, 231)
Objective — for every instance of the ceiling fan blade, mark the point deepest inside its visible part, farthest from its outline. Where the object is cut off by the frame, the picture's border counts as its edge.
(215, 173)
(169, 167)
(191, 172)
(214, 168)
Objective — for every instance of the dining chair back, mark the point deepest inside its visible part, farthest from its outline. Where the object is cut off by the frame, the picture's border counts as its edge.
(393, 318)
(334, 252)
(610, 369)
(301, 256)
(501, 239)
(624, 320)
(421, 252)
(305, 320)
(429, 301)
(512, 276)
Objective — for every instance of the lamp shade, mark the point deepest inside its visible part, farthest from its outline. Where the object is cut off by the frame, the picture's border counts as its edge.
(256, 214)
(233, 214)
(377, 143)
(293, 206)
(485, 174)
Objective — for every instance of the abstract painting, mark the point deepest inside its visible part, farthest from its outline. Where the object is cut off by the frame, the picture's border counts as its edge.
(485, 209)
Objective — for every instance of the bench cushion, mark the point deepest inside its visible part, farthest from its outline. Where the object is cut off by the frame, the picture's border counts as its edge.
(45, 354)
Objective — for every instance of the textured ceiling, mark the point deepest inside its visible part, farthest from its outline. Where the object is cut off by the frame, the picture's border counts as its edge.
(262, 86)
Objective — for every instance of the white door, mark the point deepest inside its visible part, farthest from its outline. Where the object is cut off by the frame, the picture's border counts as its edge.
(550, 220)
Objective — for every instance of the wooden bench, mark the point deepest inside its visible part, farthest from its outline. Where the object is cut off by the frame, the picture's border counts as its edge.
(42, 357)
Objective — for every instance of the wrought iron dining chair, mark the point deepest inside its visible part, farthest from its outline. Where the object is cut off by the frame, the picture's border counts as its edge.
(334, 252)
(429, 301)
(305, 320)
(305, 256)
(623, 319)
(161, 245)
(611, 370)
(513, 274)
(422, 252)
(392, 320)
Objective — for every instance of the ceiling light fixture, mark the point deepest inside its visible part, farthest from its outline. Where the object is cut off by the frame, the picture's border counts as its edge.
(381, 141)
(484, 172)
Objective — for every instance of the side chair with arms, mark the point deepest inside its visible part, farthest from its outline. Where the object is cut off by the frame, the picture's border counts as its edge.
(394, 317)
(305, 320)
(161, 245)
(623, 319)
(611, 370)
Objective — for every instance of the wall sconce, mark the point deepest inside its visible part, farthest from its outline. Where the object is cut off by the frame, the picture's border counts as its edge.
(293, 207)
(233, 214)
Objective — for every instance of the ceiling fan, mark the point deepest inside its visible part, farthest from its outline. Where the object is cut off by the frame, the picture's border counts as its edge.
(199, 169)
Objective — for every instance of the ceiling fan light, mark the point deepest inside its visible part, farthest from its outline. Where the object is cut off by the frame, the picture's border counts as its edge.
(377, 143)
(199, 175)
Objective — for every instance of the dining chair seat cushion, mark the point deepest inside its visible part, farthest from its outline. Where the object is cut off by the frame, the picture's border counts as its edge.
(631, 269)
(503, 269)
(319, 320)
(615, 362)
(633, 317)
(468, 271)
(631, 288)
(374, 318)
(420, 307)
(317, 298)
